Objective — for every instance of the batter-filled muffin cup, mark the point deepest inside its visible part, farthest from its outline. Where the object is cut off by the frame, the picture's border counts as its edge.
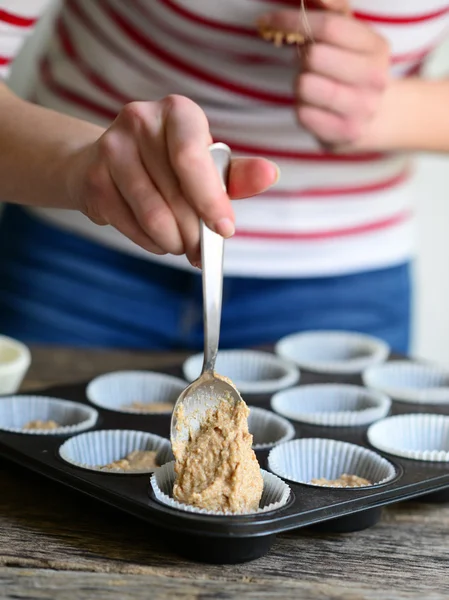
(252, 371)
(324, 462)
(275, 495)
(268, 429)
(337, 352)
(116, 451)
(410, 382)
(41, 415)
(414, 436)
(331, 405)
(139, 392)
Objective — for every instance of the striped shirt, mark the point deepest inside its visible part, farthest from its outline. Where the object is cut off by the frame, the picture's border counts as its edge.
(328, 214)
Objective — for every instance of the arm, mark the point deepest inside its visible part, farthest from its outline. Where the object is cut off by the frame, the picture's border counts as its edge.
(346, 97)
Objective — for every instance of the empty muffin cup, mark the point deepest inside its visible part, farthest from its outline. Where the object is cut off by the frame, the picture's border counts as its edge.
(337, 352)
(276, 493)
(418, 437)
(135, 391)
(41, 415)
(268, 429)
(410, 382)
(252, 372)
(310, 459)
(97, 450)
(331, 405)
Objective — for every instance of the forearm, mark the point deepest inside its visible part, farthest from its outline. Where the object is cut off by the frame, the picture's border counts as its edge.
(414, 116)
(36, 145)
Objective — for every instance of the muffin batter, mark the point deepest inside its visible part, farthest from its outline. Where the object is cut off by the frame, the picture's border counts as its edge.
(216, 469)
(151, 407)
(138, 460)
(41, 425)
(344, 481)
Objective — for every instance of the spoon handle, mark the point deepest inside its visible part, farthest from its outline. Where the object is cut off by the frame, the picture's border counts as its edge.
(212, 251)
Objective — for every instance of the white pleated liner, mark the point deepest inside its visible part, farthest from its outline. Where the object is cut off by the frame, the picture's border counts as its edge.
(335, 352)
(410, 382)
(275, 493)
(415, 436)
(17, 411)
(331, 405)
(251, 371)
(93, 450)
(315, 458)
(268, 429)
(118, 390)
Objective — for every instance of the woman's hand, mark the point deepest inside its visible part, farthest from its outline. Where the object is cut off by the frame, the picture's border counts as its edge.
(345, 73)
(152, 177)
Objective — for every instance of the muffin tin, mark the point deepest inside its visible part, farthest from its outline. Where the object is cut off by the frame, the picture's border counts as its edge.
(237, 538)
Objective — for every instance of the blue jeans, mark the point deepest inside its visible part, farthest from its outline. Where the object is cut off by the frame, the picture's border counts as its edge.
(58, 288)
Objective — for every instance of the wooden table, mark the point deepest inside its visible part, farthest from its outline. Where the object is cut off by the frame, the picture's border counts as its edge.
(56, 544)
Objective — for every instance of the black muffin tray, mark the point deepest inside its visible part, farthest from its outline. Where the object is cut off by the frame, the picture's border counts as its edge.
(232, 539)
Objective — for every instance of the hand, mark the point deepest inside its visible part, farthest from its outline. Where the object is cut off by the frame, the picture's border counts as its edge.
(345, 73)
(152, 177)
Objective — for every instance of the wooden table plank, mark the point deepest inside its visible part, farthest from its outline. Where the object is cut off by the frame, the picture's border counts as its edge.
(55, 543)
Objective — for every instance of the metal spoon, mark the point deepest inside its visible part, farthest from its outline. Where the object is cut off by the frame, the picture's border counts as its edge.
(209, 389)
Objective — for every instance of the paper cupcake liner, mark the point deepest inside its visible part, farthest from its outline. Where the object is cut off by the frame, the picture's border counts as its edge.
(119, 390)
(337, 352)
(314, 458)
(15, 359)
(331, 405)
(268, 429)
(251, 371)
(275, 493)
(410, 382)
(17, 411)
(95, 449)
(418, 437)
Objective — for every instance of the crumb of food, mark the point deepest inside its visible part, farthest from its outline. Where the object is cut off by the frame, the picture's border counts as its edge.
(344, 481)
(279, 38)
(37, 424)
(217, 469)
(153, 407)
(138, 460)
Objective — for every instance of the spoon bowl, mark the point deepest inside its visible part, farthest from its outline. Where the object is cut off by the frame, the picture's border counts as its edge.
(206, 392)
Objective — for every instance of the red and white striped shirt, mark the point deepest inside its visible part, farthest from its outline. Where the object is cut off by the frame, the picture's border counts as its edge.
(328, 214)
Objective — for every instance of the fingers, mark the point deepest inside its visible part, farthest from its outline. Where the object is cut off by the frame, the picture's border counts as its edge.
(106, 206)
(157, 163)
(188, 139)
(330, 127)
(341, 99)
(347, 67)
(142, 196)
(333, 29)
(333, 5)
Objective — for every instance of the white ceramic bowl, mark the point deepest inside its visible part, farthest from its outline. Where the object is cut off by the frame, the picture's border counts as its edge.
(251, 371)
(338, 352)
(15, 359)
